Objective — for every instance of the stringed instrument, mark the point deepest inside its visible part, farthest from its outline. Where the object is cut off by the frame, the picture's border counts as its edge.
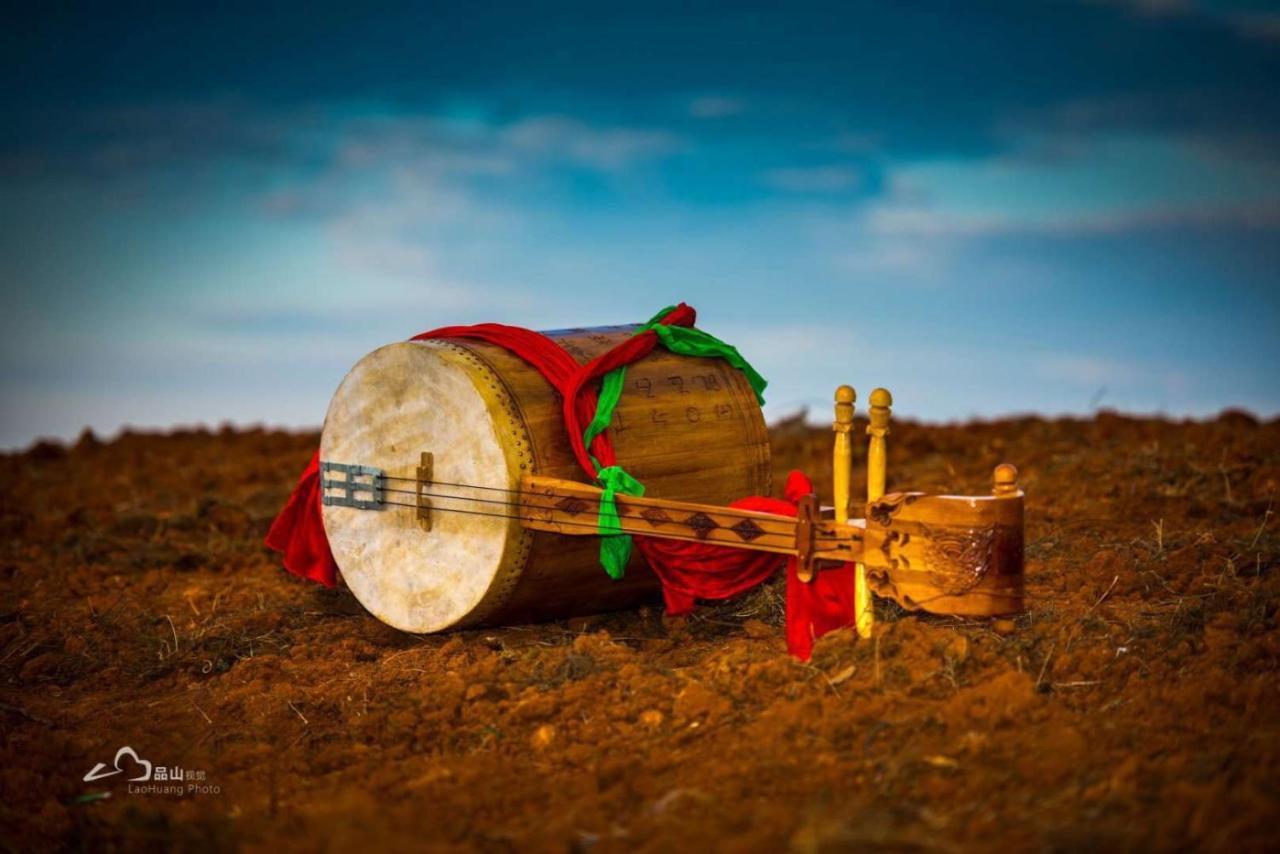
(449, 497)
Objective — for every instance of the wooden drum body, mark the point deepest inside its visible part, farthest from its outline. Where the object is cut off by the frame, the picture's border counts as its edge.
(687, 428)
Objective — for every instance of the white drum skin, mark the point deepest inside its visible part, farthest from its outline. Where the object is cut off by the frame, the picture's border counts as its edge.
(396, 402)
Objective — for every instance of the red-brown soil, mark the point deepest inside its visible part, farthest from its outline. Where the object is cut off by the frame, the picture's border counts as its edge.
(1133, 707)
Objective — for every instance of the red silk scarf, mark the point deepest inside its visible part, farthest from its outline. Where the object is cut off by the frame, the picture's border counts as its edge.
(687, 571)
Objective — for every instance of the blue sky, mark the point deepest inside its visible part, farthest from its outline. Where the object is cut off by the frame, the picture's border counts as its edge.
(208, 215)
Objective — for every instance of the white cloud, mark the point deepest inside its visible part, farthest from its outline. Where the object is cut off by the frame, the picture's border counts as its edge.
(901, 257)
(606, 149)
(816, 179)
(1082, 183)
(856, 142)
(904, 221)
(399, 196)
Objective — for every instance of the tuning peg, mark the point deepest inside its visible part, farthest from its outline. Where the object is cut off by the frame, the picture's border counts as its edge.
(1006, 479)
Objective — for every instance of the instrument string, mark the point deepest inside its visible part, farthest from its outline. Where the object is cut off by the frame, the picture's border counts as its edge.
(521, 492)
(525, 499)
(434, 509)
(590, 527)
(460, 485)
(529, 504)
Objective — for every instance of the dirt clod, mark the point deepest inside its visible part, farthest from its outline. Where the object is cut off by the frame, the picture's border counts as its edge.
(543, 737)
(651, 718)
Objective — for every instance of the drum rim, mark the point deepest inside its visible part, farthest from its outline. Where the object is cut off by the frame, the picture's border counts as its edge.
(515, 445)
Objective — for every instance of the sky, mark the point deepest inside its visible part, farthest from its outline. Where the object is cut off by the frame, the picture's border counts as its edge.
(208, 213)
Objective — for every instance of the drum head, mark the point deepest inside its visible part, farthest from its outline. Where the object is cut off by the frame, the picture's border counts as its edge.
(396, 403)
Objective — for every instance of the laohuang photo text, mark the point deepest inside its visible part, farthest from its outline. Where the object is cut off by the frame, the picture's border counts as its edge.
(944, 522)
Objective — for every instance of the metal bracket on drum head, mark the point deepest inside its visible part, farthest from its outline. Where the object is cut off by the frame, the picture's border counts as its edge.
(349, 486)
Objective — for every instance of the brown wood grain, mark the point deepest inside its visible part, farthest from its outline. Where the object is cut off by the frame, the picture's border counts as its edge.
(686, 427)
(957, 555)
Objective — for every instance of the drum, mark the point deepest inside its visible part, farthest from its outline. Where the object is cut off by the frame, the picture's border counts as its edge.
(687, 428)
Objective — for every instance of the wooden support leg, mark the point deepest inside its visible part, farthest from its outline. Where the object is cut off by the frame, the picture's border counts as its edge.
(877, 464)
